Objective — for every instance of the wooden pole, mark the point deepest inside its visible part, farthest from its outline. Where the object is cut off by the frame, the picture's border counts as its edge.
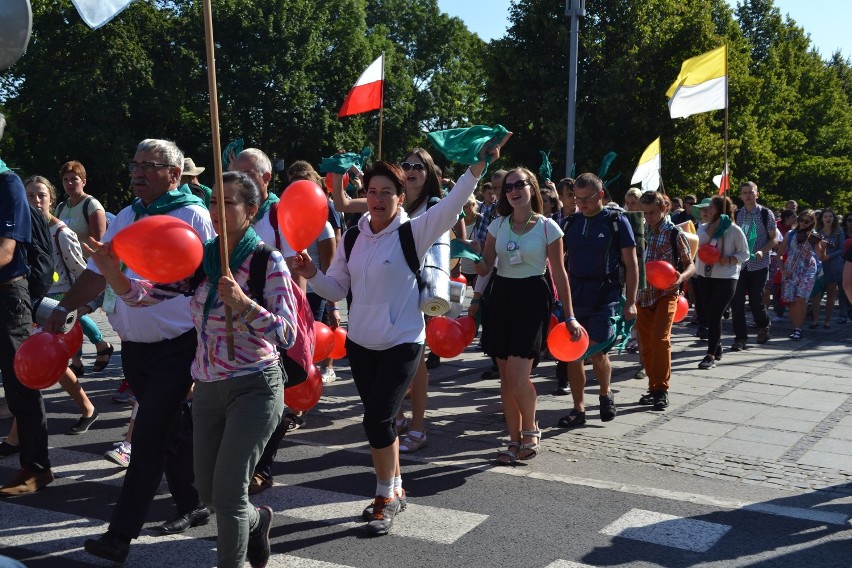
(217, 162)
(382, 108)
(727, 80)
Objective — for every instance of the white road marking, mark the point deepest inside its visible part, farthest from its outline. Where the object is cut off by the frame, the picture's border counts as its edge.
(667, 530)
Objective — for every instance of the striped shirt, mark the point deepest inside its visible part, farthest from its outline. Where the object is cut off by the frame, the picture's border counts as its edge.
(658, 246)
(254, 343)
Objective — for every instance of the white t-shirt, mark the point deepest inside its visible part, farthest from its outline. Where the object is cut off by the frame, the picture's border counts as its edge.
(313, 248)
(264, 230)
(532, 246)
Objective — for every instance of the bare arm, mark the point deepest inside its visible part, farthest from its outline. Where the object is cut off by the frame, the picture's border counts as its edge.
(631, 282)
(97, 224)
(343, 202)
(483, 268)
(7, 251)
(560, 278)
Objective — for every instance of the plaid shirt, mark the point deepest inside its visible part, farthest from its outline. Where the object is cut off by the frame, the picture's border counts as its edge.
(487, 213)
(744, 218)
(658, 246)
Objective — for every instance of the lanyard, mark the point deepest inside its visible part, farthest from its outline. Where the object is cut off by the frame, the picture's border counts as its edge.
(512, 234)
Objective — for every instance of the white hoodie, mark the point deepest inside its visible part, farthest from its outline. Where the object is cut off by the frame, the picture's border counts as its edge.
(385, 308)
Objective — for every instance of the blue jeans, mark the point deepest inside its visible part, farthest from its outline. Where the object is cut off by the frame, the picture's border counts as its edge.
(233, 419)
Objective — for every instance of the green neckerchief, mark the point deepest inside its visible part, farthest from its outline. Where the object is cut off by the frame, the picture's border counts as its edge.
(462, 145)
(340, 163)
(724, 225)
(751, 238)
(212, 263)
(173, 199)
(264, 207)
(3, 167)
(545, 169)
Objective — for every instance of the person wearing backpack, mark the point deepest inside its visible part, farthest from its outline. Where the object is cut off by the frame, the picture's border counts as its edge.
(25, 403)
(599, 244)
(386, 325)
(236, 404)
(758, 225)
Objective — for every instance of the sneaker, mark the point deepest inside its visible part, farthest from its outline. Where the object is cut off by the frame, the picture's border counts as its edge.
(763, 334)
(561, 391)
(109, 546)
(259, 483)
(83, 424)
(432, 361)
(641, 375)
(384, 511)
(707, 363)
(124, 394)
(328, 375)
(608, 409)
(26, 481)
(367, 513)
(5, 413)
(258, 549)
(739, 345)
(796, 335)
(120, 454)
(661, 400)
(412, 441)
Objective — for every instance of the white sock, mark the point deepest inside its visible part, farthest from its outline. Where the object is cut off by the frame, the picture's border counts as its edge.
(384, 488)
(397, 485)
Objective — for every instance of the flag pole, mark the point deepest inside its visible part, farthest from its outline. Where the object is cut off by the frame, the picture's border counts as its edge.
(217, 162)
(727, 80)
(382, 107)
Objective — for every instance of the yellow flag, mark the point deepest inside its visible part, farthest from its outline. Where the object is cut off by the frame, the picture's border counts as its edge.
(701, 85)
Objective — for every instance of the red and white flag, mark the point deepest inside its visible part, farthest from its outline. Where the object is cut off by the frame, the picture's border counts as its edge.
(98, 12)
(723, 181)
(368, 92)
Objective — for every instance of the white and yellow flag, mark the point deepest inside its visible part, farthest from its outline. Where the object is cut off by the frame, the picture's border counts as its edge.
(98, 12)
(701, 85)
(648, 171)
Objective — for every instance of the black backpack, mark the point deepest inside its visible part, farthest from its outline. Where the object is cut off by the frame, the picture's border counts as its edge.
(39, 256)
(618, 277)
(406, 241)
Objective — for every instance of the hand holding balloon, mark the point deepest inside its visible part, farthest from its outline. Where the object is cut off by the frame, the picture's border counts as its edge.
(104, 257)
(302, 265)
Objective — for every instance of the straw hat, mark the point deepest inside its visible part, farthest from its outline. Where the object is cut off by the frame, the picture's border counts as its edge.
(190, 169)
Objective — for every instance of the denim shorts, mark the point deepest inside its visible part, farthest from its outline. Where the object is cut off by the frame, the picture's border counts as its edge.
(596, 321)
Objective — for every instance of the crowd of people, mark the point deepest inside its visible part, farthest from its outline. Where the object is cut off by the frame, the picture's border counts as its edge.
(212, 424)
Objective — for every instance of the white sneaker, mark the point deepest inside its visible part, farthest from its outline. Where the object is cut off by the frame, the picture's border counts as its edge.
(328, 375)
(4, 409)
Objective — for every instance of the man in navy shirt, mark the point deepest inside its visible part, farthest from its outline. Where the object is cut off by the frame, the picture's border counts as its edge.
(597, 244)
(15, 322)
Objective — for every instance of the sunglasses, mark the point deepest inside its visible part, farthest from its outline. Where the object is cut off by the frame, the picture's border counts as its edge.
(520, 184)
(407, 166)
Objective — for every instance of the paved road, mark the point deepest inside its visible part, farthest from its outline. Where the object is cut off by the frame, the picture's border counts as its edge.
(751, 465)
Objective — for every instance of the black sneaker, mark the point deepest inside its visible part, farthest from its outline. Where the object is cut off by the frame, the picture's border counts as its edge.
(258, 549)
(432, 361)
(384, 511)
(108, 546)
(739, 345)
(661, 400)
(561, 391)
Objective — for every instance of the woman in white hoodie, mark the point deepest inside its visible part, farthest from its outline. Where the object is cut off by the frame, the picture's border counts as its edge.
(386, 326)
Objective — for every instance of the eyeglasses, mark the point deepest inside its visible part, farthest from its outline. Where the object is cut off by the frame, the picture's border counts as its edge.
(146, 166)
(587, 198)
(520, 184)
(406, 166)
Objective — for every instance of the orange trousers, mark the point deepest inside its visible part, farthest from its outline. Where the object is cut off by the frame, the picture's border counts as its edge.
(654, 332)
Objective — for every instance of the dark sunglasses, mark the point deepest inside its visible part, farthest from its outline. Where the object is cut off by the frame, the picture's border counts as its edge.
(406, 166)
(520, 184)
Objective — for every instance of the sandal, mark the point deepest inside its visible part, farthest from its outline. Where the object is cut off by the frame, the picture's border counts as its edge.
(293, 422)
(632, 346)
(509, 456)
(412, 441)
(533, 447)
(574, 418)
(402, 426)
(101, 365)
(608, 408)
(79, 370)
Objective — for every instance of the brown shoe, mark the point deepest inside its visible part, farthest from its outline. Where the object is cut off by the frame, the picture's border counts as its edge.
(25, 482)
(259, 483)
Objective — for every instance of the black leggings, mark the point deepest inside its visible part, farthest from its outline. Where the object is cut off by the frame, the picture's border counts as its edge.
(382, 379)
(714, 295)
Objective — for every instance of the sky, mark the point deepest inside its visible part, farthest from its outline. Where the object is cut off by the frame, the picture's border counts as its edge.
(827, 21)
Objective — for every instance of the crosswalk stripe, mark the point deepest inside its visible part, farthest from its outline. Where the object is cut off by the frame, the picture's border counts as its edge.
(667, 530)
(567, 564)
(433, 524)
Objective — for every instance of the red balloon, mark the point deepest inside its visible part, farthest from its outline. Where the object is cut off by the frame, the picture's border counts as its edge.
(709, 254)
(41, 360)
(159, 248)
(73, 340)
(460, 278)
(302, 213)
(660, 274)
(445, 337)
(329, 181)
(339, 349)
(468, 325)
(324, 342)
(682, 308)
(554, 321)
(306, 394)
(564, 348)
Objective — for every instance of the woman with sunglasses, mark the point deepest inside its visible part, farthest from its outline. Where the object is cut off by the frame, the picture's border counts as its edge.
(521, 241)
(422, 191)
(798, 274)
(386, 325)
(832, 263)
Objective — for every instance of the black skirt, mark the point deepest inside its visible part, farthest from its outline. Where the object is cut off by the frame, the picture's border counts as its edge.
(516, 317)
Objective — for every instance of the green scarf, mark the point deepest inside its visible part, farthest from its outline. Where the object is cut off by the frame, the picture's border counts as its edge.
(724, 225)
(172, 199)
(212, 263)
(3, 167)
(462, 145)
(264, 207)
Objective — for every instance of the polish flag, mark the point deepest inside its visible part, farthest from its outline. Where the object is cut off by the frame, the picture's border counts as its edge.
(368, 92)
(723, 181)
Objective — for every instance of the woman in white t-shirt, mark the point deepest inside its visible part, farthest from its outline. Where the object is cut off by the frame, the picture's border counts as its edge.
(516, 322)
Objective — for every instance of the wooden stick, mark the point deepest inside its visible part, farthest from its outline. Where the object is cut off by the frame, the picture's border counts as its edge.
(217, 163)
(382, 108)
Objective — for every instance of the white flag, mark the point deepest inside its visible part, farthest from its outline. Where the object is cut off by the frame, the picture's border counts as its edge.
(648, 171)
(98, 12)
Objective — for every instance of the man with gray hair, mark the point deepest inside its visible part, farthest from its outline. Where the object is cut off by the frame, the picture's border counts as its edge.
(157, 349)
(25, 403)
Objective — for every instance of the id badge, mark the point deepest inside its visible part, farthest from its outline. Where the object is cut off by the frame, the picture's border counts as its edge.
(515, 256)
(109, 300)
